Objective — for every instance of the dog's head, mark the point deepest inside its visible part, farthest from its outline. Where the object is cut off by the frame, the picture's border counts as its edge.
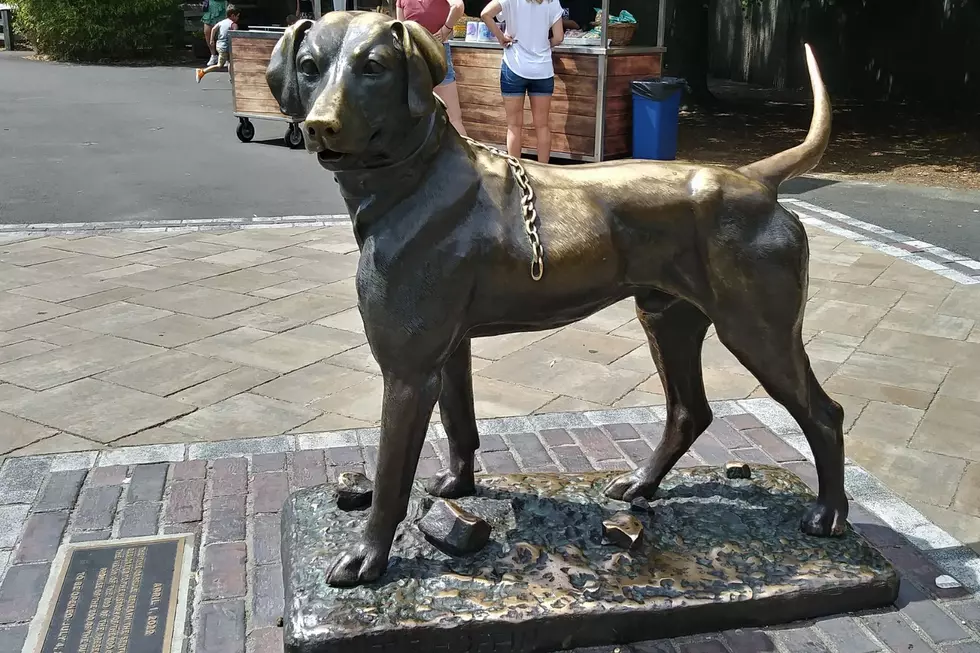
(360, 80)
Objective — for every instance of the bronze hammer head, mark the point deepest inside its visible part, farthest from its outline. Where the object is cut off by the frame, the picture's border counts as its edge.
(360, 80)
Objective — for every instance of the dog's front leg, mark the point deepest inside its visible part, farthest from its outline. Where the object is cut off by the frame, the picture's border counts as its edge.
(405, 413)
(459, 418)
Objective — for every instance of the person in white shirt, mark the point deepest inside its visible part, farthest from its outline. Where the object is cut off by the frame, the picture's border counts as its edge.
(533, 27)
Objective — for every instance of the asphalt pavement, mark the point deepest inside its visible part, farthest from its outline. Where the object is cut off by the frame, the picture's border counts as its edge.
(94, 143)
(940, 216)
(91, 143)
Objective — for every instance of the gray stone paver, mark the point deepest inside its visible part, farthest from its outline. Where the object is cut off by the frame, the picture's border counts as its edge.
(167, 373)
(176, 330)
(96, 410)
(232, 505)
(197, 300)
(19, 432)
(243, 415)
(274, 313)
(74, 362)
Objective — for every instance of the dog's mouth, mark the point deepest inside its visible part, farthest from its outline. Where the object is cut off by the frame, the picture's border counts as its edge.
(330, 158)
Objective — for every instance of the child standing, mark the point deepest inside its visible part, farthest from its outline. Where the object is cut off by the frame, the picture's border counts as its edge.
(219, 37)
(214, 12)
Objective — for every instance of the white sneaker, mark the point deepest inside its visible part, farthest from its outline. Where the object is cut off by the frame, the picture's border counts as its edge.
(213, 61)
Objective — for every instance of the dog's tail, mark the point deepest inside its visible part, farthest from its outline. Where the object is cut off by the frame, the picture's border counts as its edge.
(798, 160)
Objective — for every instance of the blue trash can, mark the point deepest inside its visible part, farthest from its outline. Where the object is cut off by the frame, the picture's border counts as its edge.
(656, 105)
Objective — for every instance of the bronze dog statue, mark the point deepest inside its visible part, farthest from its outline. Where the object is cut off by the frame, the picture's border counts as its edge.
(444, 258)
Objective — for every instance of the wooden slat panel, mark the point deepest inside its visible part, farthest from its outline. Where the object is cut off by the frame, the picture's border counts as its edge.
(250, 77)
(619, 86)
(490, 78)
(470, 58)
(619, 124)
(254, 92)
(562, 143)
(639, 65)
(251, 58)
(559, 122)
(617, 105)
(266, 106)
(252, 48)
(252, 83)
(249, 66)
(487, 97)
(265, 45)
(568, 64)
(618, 145)
(586, 65)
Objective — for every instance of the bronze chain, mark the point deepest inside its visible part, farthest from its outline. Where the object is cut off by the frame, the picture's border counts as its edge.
(527, 207)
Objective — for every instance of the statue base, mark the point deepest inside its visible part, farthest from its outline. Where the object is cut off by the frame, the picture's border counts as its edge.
(715, 553)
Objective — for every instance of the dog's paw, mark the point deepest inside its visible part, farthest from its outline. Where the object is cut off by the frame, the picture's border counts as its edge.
(363, 564)
(630, 486)
(824, 521)
(447, 485)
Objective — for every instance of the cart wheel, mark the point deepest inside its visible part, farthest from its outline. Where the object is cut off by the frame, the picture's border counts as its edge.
(245, 131)
(294, 137)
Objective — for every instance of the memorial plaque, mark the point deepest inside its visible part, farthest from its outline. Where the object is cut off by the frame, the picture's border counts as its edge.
(118, 596)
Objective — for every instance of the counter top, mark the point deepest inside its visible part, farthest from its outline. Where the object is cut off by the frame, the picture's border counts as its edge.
(264, 33)
(596, 50)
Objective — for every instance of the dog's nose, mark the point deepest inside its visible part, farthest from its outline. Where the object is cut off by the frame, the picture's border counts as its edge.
(323, 129)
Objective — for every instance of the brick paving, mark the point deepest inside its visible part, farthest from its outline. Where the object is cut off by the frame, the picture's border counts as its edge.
(229, 495)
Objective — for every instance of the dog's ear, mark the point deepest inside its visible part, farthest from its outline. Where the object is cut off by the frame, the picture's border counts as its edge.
(425, 59)
(281, 73)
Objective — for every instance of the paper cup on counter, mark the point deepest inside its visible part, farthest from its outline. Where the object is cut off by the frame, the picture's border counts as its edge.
(473, 30)
(485, 33)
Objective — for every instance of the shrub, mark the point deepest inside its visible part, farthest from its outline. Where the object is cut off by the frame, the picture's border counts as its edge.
(98, 30)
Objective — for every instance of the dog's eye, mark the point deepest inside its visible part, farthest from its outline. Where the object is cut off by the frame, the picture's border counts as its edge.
(372, 67)
(308, 68)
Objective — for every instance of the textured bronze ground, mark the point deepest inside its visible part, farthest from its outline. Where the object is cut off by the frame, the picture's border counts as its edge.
(716, 553)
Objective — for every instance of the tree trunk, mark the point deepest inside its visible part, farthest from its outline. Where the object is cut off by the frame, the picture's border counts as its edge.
(687, 47)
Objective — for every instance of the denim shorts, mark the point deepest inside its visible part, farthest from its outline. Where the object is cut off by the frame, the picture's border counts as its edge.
(450, 71)
(513, 85)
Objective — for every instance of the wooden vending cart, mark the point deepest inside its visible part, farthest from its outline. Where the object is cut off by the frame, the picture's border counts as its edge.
(591, 111)
(251, 51)
(252, 99)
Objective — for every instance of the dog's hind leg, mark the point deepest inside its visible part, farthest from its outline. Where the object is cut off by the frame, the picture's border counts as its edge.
(459, 419)
(760, 321)
(774, 353)
(675, 331)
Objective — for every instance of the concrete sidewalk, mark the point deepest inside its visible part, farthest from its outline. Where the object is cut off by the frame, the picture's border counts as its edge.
(149, 336)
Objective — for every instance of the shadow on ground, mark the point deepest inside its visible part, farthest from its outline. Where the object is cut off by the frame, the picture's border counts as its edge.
(873, 140)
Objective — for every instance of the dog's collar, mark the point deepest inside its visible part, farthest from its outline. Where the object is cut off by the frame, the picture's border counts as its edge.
(405, 174)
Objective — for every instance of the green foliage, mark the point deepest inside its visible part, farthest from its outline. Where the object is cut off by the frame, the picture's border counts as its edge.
(99, 30)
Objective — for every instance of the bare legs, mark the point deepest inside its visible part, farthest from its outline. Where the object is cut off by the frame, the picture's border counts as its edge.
(207, 39)
(514, 108)
(450, 96)
(211, 69)
(541, 112)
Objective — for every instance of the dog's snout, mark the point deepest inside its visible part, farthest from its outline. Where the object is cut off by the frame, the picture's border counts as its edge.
(323, 129)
